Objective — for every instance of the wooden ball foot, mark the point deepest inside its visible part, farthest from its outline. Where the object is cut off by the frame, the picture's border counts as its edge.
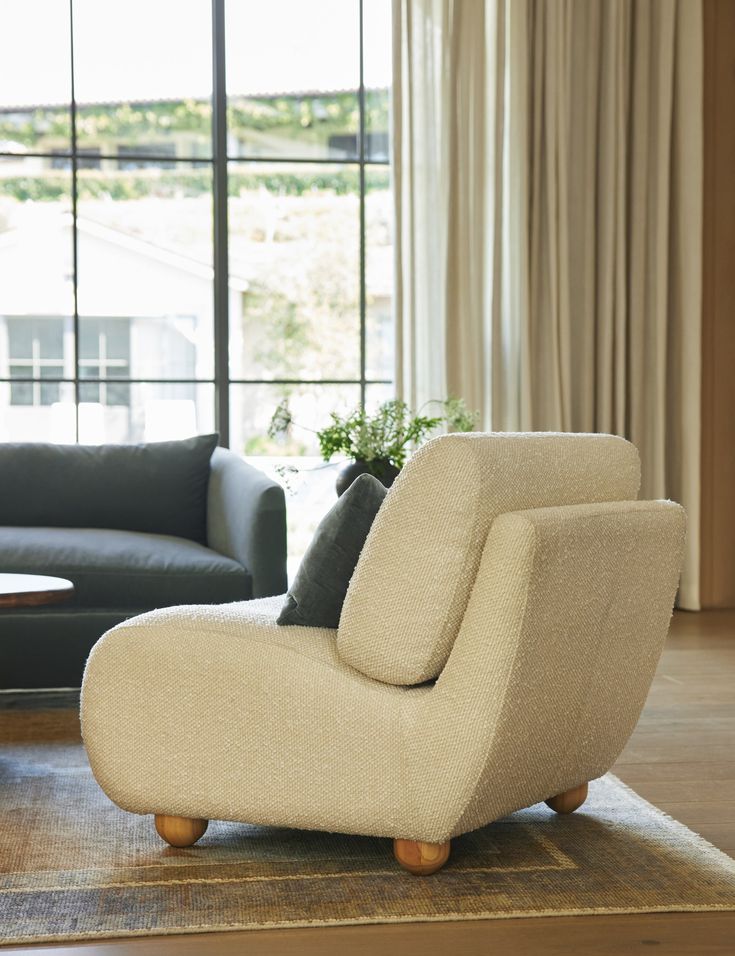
(568, 801)
(419, 858)
(180, 831)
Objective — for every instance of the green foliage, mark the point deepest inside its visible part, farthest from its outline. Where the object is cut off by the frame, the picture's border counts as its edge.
(256, 445)
(388, 434)
(172, 184)
(278, 333)
(30, 189)
(457, 416)
(105, 127)
(310, 118)
(261, 445)
(281, 421)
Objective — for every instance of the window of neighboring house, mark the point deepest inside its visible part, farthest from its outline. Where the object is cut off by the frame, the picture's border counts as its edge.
(138, 151)
(377, 145)
(87, 158)
(104, 354)
(36, 352)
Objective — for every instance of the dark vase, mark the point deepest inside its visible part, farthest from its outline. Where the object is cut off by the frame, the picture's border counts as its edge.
(381, 468)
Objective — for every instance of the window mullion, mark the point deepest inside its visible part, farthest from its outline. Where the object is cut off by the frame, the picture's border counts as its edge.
(363, 290)
(220, 251)
(74, 229)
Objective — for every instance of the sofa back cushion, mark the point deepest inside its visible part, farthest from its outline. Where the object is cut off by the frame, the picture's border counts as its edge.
(160, 488)
(410, 589)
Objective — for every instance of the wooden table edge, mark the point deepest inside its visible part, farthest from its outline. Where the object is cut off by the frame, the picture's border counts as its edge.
(37, 598)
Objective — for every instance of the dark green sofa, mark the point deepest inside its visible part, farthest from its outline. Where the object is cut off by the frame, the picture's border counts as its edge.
(134, 527)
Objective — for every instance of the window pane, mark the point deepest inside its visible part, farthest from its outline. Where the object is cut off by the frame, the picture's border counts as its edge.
(37, 411)
(310, 493)
(144, 411)
(104, 353)
(292, 78)
(294, 126)
(377, 74)
(21, 393)
(36, 300)
(145, 272)
(37, 343)
(377, 394)
(49, 393)
(294, 271)
(105, 339)
(35, 77)
(147, 87)
(377, 138)
(252, 407)
(35, 349)
(379, 338)
(294, 459)
(36, 262)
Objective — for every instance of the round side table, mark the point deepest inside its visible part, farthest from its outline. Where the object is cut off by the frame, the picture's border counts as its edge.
(29, 590)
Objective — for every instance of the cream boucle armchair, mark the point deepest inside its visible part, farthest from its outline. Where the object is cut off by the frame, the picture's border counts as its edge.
(496, 646)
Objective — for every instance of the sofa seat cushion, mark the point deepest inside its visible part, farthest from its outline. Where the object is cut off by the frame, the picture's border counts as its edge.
(120, 569)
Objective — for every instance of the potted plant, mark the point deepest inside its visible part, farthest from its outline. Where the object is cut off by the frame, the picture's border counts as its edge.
(378, 442)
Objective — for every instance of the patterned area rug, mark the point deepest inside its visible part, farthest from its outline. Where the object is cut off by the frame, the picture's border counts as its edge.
(73, 866)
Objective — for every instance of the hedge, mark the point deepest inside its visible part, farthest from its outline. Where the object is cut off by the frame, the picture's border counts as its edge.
(180, 184)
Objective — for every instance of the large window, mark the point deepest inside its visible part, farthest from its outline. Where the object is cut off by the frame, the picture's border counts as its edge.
(195, 217)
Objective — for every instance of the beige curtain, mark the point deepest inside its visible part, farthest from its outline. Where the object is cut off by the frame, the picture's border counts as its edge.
(444, 139)
(548, 170)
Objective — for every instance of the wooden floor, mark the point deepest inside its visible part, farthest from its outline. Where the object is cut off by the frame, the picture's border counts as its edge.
(681, 757)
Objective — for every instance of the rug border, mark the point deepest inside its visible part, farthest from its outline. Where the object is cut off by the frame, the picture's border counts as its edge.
(681, 833)
(369, 921)
(700, 842)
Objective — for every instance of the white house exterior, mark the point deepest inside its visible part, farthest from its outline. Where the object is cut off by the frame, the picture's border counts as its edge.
(145, 313)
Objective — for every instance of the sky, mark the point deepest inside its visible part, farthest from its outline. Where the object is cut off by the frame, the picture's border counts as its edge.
(160, 49)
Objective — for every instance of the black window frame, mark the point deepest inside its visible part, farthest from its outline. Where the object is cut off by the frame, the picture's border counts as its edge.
(81, 157)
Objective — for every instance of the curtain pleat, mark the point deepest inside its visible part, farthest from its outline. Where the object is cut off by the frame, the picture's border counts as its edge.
(548, 167)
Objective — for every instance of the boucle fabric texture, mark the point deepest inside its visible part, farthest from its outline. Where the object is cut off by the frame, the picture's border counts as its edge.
(410, 589)
(318, 592)
(217, 712)
(73, 866)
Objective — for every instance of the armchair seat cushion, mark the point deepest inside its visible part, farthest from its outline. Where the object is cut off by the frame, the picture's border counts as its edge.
(111, 568)
(220, 712)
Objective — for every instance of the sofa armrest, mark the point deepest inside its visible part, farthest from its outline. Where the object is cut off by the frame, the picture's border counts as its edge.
(246, 520)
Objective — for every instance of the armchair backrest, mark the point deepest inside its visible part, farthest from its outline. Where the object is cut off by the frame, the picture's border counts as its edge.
(410, 589)
(555, 655)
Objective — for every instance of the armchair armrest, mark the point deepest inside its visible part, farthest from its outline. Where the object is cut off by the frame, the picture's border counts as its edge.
(246, 520)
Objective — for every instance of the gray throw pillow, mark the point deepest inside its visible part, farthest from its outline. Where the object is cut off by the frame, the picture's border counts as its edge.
(318, 592)
(158, 487)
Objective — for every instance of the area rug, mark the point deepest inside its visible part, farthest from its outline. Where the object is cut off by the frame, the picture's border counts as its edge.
(73, 866)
